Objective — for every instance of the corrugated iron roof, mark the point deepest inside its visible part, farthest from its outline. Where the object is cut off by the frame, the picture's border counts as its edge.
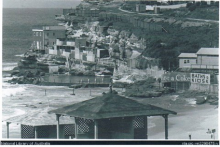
(40, 118)
(187, 55)
(109, 106)
(208, 51)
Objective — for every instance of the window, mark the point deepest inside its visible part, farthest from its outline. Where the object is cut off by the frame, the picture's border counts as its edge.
(47, 34)
(53, 34)
(39, 33)
(36, 33)
(186, 61)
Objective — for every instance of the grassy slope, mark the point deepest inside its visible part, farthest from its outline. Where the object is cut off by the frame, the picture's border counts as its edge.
(180, 39)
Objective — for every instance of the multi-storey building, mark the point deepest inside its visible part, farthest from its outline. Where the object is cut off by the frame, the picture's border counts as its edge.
(46, 38)
(51, 33)
(37, 39)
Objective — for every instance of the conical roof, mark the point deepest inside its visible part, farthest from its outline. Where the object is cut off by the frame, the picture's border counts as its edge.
(108, 106)
(39, 118)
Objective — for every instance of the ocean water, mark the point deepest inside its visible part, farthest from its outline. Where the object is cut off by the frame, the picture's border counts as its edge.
(17, 30)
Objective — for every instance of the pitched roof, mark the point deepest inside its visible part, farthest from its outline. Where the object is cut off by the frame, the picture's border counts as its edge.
(108, 106)
(39, 118)
(187, 55)
(208, 51)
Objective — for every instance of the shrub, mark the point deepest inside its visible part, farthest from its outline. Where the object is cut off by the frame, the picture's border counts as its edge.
(192, 8)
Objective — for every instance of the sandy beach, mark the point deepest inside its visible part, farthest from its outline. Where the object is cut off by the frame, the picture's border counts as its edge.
(191, 118)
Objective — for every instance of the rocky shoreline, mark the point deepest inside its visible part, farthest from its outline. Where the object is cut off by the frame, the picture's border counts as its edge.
(29, 71)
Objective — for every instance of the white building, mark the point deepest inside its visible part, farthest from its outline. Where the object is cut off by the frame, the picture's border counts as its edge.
(187, 59)
(205, 58)
(208, 56)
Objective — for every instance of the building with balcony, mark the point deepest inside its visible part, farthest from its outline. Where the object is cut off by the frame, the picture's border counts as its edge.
(37, 36)
(46, 38)
(51, 33)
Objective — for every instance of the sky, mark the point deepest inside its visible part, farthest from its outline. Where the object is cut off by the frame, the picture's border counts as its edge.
(39, 3)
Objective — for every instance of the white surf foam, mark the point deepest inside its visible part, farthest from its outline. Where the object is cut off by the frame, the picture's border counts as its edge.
(8, 66)
(12, 90)
(22, 55)
(16, 112)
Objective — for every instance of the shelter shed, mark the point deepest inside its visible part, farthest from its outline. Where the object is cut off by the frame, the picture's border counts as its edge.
(111, 116)
(40, 124)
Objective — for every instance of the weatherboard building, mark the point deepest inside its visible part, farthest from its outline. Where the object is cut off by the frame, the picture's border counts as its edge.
(197, 71)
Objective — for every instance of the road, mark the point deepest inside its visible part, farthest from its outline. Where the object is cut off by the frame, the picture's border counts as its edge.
(205, 20)
(125, 10)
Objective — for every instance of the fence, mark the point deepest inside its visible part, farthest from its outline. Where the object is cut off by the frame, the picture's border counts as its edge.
(78, 81)
(75, 80)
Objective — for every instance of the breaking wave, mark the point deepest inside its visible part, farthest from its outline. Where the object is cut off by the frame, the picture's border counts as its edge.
(12, 90)
(8, 66)
(21, 55)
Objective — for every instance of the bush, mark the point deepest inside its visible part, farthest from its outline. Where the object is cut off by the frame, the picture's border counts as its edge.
(192, 8)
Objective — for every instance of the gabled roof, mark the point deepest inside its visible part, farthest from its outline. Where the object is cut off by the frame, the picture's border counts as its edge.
(187, 55)
(208, 51)
(110, 105)
(39, 118)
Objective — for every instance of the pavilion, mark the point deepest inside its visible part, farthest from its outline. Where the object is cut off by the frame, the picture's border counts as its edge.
(111, 116)
(40, 124)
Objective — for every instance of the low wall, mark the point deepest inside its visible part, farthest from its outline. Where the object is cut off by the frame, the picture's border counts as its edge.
(213, 88)
(85, 85)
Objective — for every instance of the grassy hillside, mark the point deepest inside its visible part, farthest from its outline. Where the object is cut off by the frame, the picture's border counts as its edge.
(166, 46)
(209, 12)
(185, 36)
